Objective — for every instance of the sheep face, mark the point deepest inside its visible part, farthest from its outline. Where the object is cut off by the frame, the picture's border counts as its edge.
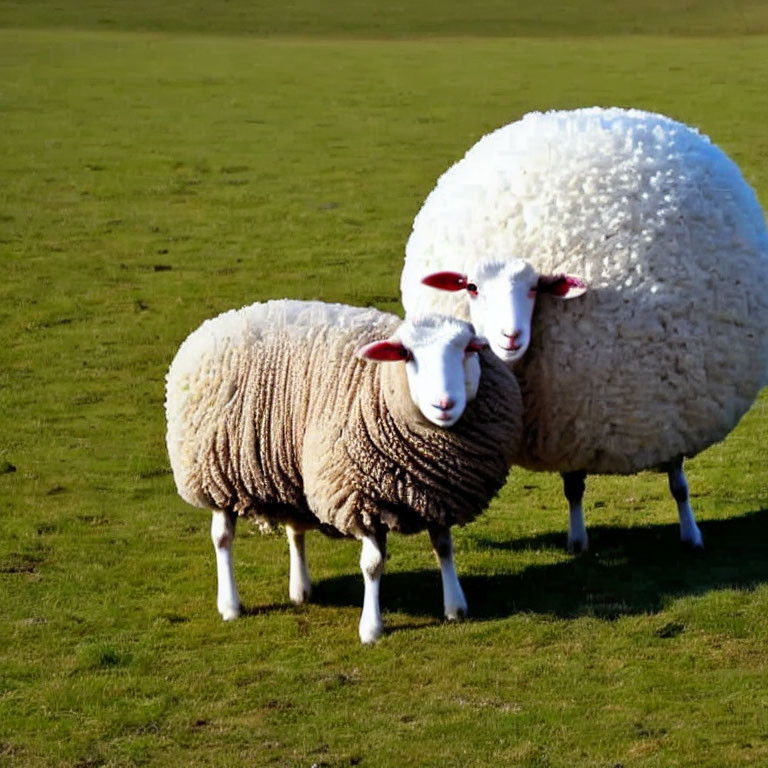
(501, 296)
(441, 364)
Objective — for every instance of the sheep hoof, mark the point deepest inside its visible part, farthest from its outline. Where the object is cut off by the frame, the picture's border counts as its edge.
(369, 634)
(578, 547)
(299, 598)
(230, 612)
(693, 540)
(456, 613)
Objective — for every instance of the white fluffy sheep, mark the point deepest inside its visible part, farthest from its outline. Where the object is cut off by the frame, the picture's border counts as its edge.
(275, 412)
(667, 349)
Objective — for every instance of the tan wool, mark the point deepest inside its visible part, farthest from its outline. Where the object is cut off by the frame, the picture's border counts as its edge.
(270, 413)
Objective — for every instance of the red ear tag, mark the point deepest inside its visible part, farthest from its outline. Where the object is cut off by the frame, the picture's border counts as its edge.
(384, 351)
(446, 281)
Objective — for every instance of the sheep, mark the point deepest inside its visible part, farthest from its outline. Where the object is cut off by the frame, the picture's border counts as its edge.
(658, 232)
(275, 412)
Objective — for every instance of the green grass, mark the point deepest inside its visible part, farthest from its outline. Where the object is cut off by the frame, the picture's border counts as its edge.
(150, 181)
(398, 18)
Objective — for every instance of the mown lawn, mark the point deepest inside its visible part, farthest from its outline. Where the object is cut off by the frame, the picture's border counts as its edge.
(149, 180)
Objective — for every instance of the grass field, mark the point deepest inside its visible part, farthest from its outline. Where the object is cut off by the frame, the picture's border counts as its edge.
(150, 179)
(397, 18)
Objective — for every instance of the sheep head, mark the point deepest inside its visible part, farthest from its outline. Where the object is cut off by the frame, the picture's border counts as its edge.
(502, 295)
(441, 364)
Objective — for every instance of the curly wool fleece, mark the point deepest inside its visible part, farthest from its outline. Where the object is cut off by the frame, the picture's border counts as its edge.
(668, 349)
(271, 413)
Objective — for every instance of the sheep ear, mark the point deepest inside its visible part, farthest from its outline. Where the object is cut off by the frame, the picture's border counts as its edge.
(478, 343)
(561, 286)
(446, 281)
(384, 351)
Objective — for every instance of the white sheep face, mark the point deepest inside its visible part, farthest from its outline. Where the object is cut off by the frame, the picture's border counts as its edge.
(501, 301)
(502, 295)
(441, 364)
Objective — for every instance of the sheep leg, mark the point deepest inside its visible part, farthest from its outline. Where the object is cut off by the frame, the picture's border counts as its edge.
(223, 534)
(372, 559)
(454, 602)
(690, 534)
(573, 487)
(299, 585)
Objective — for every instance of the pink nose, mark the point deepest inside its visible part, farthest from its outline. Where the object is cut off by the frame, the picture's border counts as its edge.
(515, 335)
(446, 403)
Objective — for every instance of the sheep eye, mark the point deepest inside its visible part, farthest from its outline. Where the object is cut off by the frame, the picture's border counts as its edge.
(472, 288)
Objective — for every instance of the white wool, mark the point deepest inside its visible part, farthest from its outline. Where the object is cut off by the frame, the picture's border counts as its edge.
(667, 349)
(437, 330)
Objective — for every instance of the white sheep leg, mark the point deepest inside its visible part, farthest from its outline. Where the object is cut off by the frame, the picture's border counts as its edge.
(573, 487)
(223, 534)
(299, 585)
(372, 560)
(678, 486)
(454, 602)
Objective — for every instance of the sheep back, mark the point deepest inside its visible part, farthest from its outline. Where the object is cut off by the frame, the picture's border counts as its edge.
(667, 350)
(241, 389)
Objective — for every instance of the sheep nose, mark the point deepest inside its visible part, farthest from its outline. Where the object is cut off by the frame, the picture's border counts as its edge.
(446, 403)
(515, 335)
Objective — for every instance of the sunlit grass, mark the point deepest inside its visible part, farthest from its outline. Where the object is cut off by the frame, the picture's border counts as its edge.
(151, 181)
(397, 18)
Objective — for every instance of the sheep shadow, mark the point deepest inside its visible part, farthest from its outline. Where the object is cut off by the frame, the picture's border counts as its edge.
(628, 571)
